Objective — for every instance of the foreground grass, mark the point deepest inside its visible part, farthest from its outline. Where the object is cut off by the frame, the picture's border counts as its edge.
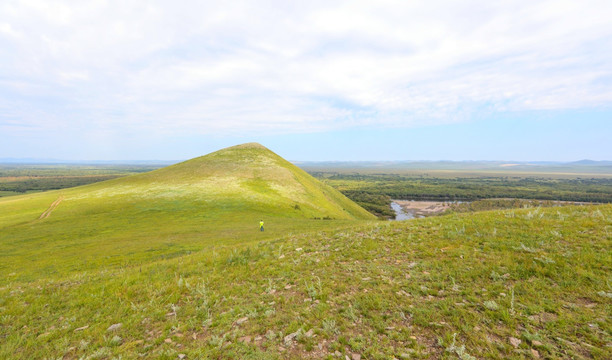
(523, 283)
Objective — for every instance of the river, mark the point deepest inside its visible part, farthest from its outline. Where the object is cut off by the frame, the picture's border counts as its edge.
(399, 212)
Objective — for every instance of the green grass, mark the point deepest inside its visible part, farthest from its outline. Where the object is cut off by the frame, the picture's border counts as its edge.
(176, 257)
(215, 199)
(440, 287)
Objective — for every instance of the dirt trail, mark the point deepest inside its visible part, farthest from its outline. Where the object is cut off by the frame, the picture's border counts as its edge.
(51, 208)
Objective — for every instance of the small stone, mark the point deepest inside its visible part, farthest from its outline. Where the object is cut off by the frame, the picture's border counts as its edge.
(114, 327)
(81, 328)
(515, 342)
(168, 341)
(241, 320)
(298, 249)
(413, 337)
(287, 287)
(338, 353)
(309, 333)
(535, 353)
(245, 339)
(476, 328)
(182, 356)
(355, 356)
(536, 343)
(289, 338)
(194, 336)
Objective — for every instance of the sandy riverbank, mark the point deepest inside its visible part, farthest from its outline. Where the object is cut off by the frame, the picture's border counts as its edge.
(422, 208)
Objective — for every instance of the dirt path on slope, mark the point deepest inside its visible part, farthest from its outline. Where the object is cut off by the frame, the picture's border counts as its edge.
(51, 208)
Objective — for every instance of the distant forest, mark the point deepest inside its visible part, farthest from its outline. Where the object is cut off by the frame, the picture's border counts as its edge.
(22, 179)
(375, 191)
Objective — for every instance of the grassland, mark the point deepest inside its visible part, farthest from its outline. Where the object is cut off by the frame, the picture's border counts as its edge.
(219, 198)
(508, 284)
(171, 264)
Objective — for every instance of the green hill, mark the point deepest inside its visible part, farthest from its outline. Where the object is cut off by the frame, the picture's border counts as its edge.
(171, 265)
(214, 199)
(250, 178)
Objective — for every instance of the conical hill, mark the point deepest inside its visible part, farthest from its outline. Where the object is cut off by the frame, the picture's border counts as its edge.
(251, 177)
(239, 183)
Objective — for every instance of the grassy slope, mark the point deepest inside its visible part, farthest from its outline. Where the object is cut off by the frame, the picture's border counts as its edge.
(447, 287)
(214, 199)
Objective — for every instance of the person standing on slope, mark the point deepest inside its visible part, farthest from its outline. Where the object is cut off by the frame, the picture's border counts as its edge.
(261, 226)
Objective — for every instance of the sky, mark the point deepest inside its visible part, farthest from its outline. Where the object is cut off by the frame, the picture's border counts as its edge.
(318, 80)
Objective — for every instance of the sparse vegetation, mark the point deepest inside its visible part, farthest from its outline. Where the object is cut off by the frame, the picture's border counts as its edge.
(417, 288)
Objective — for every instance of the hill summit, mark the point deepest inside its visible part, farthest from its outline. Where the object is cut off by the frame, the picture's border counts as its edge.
(252, 177)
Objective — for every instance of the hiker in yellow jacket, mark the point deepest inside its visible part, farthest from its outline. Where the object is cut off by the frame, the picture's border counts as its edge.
(261, 226)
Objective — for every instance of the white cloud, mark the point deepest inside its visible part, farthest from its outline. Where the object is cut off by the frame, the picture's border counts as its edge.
(220, 67)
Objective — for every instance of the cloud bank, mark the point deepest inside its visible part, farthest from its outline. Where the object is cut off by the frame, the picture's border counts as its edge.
(227, 68)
